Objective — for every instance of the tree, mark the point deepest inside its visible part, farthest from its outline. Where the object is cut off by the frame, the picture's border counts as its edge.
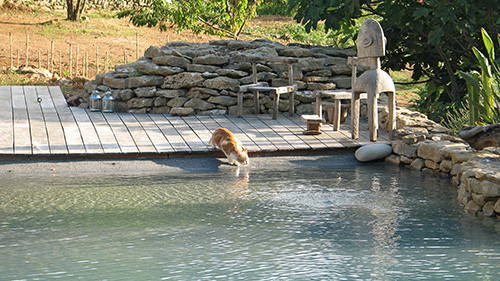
(432, 37)
(74, 10)
(214, 17)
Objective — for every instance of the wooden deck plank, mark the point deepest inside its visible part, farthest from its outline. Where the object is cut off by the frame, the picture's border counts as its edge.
(364, 134)
(122, 135)
(194, 142)
(72, 133)
(327, 137)
(90, 138)
(283, 131)
(254, 134)
(209, 123)
(22, 134)
(199, 129)
(155, 135)
(278, 141)
(246, 137)
(140, 137)
(106, 136)
(38, 130)
(57, 142)
(298, 130)
(173, 137)
(6, 121)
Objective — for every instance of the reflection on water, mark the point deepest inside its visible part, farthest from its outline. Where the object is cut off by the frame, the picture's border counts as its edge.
(341, 221)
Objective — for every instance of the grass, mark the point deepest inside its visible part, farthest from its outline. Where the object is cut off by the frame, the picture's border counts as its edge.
(405, 89)
(59, 28)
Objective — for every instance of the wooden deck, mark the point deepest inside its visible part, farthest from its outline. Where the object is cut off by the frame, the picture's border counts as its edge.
(36, 121)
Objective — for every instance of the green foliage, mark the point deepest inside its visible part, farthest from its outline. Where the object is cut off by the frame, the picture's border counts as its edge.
(431, 37)
(430, 104)
(275, 7)
(456, 118)
(294, 32)
(216, 17)
(452, 115)
(484, 88)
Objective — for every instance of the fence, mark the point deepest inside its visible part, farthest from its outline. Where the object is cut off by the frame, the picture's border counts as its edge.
(76, 61)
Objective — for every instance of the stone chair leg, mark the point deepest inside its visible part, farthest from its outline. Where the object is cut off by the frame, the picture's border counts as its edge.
(240, 104)
(355, 101)
(392, 113)
(372, 115)
(276, 102)
(337, 111)
(256, 102)
(292, 103)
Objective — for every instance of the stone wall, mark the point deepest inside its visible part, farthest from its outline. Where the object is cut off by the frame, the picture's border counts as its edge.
(61, 4)
(199, 78)
(422, 144)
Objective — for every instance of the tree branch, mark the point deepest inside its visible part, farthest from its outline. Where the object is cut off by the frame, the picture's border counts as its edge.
(227, 32)
(453, 94)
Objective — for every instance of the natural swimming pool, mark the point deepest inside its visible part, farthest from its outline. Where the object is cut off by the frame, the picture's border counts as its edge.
(281, 218)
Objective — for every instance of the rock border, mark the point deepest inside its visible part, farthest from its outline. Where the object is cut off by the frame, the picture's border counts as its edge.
(424, 145)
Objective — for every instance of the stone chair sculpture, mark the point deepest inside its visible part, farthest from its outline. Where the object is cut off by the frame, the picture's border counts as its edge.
(337, 95)
(371, 44)
(256, 87)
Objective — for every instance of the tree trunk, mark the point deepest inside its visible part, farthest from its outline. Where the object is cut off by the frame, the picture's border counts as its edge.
(74, 10)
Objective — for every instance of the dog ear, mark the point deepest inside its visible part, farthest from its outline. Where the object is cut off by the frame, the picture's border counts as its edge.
(245, 150)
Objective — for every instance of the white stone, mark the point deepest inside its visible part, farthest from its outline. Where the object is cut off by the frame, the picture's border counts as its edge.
(372, 152)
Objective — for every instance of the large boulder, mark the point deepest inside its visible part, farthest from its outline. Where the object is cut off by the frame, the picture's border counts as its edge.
(221, 83)
(371, 152)
(183, 80)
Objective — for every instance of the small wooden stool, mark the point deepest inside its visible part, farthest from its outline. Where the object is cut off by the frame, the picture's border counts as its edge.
(313, 124)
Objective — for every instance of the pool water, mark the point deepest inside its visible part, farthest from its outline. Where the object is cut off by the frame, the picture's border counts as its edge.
(282, 218)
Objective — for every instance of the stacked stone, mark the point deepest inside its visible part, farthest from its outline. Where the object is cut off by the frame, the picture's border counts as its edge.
(424, 145)
(182, 78)
(478, 179)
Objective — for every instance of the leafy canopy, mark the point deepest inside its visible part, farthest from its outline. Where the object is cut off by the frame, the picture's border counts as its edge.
(214, 17)
(432, 37)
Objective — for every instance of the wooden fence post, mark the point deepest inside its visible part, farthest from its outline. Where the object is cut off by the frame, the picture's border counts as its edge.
(11, 53)
(77, 51)
(87, 64)
(106, 67)
(27, 49)
(71, 60)
(137, 45)
(83, 66)
(60, 64)
(52, 57)
(97, 60)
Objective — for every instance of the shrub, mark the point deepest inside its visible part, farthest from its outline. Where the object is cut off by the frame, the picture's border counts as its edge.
(484, 88)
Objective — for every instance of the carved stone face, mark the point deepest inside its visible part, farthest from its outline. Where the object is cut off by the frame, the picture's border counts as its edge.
(371, 40)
